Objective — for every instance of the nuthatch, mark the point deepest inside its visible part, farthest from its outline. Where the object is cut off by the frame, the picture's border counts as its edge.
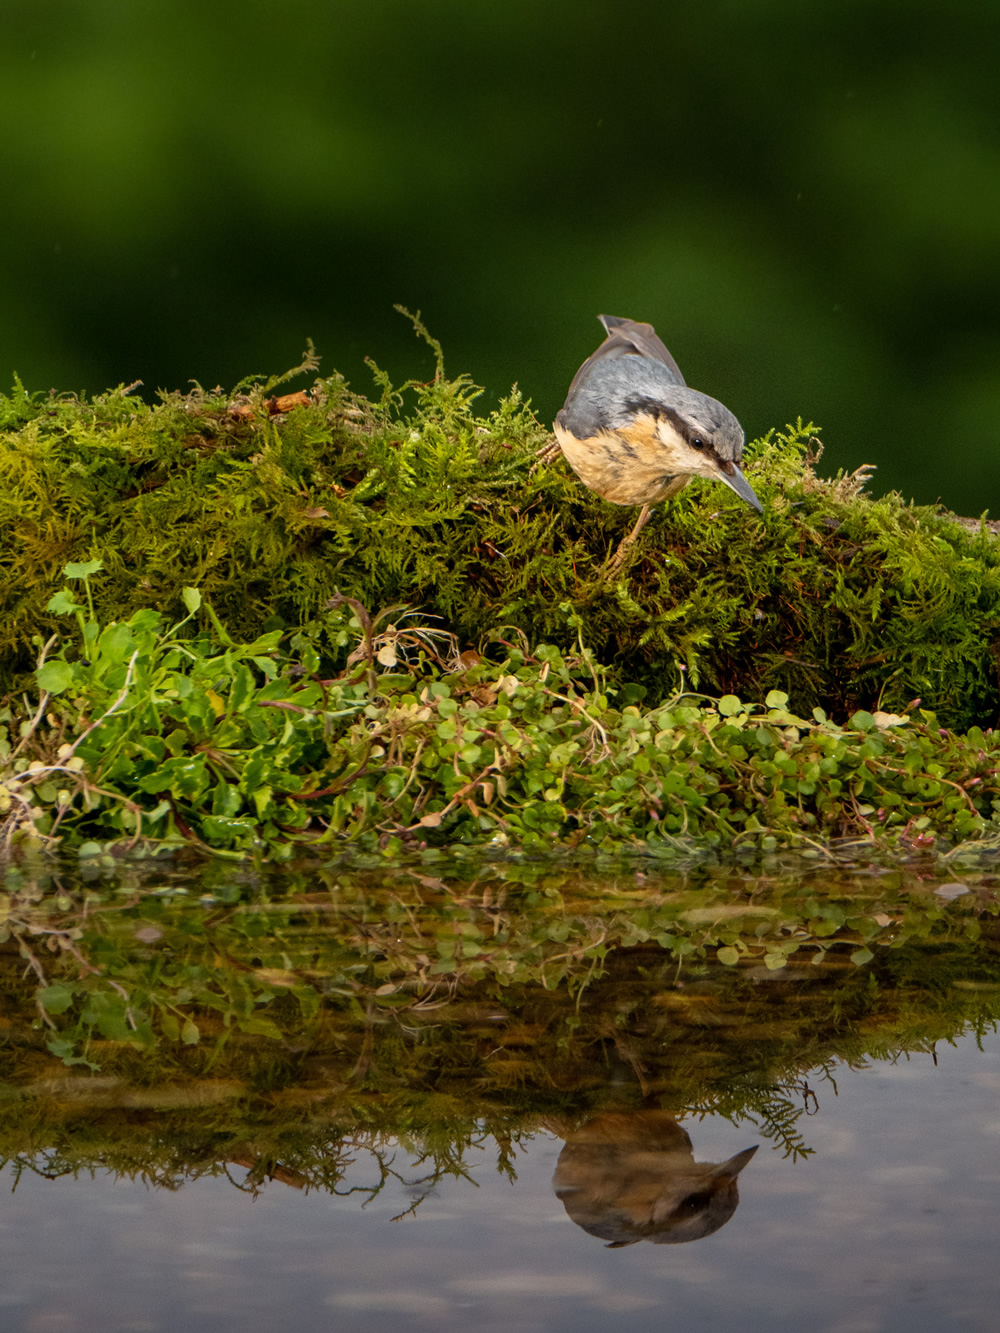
(630, 1176)
(634, 432)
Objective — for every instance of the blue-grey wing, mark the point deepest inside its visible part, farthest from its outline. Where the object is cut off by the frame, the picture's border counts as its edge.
(609, 392)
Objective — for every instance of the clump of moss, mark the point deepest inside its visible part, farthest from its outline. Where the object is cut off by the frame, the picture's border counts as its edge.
(273, 504)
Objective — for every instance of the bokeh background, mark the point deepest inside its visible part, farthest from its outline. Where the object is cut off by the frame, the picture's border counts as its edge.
(803, 197)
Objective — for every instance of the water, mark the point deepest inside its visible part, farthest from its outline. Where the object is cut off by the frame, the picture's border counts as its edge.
(368, 1169)
(890, 1224)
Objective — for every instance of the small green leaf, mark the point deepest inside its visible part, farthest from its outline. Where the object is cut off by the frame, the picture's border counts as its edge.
(242, 689)
(226, 799)
(55, 677)
(83, 571)
(62, 603)
(861, 956)
(184, 776)
(266, 666)
(55, 999)
(190, 1035)
(221, 828)
(116, 643)
(729, 956)
(308, 999)
(170, 1027)
(62, 1048)
(729, 705)
(192, 599)
(822, 928)
(260, 1026)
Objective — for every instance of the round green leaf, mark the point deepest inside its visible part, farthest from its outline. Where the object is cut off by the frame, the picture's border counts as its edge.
(55, 677)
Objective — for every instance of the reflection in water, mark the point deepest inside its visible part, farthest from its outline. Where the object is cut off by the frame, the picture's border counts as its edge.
(379, 1045)
(626, 1177)
(902, 1194)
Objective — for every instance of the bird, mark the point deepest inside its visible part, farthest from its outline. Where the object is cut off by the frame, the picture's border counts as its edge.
(633, 431)
(631, 1176)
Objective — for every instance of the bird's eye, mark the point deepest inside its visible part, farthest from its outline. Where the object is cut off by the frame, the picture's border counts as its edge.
(697, 442)
(694, 1203)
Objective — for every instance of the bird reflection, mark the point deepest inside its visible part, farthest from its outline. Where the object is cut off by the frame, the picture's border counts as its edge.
(631, 1176)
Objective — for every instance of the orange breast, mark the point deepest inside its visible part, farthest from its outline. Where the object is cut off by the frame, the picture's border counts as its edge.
(632, 471)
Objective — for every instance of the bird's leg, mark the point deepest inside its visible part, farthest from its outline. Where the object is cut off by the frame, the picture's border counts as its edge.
(618, 559)
(676, 485)
(640, 523)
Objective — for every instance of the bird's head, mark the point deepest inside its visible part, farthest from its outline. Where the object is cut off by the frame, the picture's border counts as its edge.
(700, 435)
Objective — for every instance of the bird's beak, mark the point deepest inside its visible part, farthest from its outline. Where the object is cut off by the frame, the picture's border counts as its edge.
(731, 1169)
(738, 483)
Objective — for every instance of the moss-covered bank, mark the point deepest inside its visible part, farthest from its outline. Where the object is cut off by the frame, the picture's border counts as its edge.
(270, 505)
(387, 625)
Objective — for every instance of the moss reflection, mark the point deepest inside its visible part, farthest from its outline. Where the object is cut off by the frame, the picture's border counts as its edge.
(298, 1028)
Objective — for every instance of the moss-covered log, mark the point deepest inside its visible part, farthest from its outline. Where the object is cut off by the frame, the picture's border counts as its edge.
(270, 505)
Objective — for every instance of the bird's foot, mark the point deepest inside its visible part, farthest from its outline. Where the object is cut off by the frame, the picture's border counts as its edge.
(615, 562)
(621, 555)
(544, 455)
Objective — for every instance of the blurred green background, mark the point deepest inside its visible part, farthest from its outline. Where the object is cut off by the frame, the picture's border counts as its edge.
(804, 198)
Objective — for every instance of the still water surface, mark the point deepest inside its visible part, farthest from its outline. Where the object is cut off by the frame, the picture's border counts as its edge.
(245, 1103)
(891, 1224)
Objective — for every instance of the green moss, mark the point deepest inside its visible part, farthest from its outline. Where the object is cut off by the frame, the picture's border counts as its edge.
(839, 600)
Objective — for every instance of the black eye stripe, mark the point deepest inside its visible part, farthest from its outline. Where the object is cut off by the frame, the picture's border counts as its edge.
(644, 406)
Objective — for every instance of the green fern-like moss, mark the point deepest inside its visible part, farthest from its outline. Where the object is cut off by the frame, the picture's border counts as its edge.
(270, 506)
